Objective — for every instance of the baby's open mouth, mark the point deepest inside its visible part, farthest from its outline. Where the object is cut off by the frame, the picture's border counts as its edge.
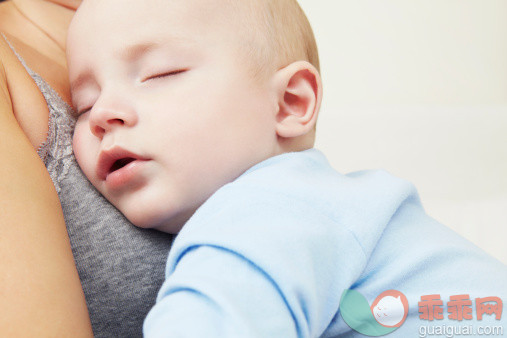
(118, 164)
(114, 159)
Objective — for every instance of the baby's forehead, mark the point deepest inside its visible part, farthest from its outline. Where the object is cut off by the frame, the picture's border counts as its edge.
(144, 11)
(114, 17)
(104, 28)
(203, 20)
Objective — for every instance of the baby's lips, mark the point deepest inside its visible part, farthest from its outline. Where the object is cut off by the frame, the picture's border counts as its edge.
(109, 156)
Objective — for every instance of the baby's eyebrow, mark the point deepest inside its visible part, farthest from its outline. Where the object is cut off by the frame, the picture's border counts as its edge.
(135, 51)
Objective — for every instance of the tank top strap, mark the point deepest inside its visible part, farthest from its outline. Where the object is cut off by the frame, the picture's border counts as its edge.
(28, 69)
(60, 124)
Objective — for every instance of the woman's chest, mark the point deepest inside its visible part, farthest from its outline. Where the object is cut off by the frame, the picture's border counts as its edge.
(28, 103)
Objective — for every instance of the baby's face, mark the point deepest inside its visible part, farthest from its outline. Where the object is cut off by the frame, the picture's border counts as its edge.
(168, 111)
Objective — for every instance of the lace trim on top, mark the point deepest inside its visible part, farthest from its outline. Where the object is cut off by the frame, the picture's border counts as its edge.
(56, 150)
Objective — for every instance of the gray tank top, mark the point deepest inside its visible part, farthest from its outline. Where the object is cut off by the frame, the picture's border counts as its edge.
(121, 267)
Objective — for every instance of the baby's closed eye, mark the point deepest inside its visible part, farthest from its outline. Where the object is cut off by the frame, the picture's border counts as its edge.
(164, 74)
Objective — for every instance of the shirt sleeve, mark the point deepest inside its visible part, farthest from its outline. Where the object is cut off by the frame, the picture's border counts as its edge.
(275, 273)
(217, 293)
(270, 254)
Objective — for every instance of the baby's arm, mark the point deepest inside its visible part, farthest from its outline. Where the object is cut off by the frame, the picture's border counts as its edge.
(266, 271)
(217, 293)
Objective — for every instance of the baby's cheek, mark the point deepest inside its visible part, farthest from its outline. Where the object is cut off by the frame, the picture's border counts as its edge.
(84, 148)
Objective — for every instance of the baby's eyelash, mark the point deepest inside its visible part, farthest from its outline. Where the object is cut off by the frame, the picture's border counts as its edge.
(170, 73)
(81, 112)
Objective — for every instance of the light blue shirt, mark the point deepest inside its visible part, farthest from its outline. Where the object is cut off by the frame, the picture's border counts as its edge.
(270, 254)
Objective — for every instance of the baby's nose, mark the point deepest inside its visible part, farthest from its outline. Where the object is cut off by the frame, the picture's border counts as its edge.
(99, 129)
(106, 117)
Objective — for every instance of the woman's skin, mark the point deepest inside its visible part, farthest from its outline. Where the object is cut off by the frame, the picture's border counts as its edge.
(40, 292)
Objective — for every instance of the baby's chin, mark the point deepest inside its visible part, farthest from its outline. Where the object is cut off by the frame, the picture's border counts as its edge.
(169, 222)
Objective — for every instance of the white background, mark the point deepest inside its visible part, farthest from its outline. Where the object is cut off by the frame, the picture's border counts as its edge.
(419, 88)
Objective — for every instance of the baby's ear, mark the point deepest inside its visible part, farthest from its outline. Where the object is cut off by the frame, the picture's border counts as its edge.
(299, 91)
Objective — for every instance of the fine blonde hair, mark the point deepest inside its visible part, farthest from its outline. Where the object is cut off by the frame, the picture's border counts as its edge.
(274, 33)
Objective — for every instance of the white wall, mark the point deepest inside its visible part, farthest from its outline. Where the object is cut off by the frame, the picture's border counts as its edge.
(419, 88)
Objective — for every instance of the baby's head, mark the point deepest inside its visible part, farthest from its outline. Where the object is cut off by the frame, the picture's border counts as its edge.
(177, 98)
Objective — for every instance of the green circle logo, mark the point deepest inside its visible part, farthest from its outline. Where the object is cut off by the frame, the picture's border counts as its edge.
(386, 314)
